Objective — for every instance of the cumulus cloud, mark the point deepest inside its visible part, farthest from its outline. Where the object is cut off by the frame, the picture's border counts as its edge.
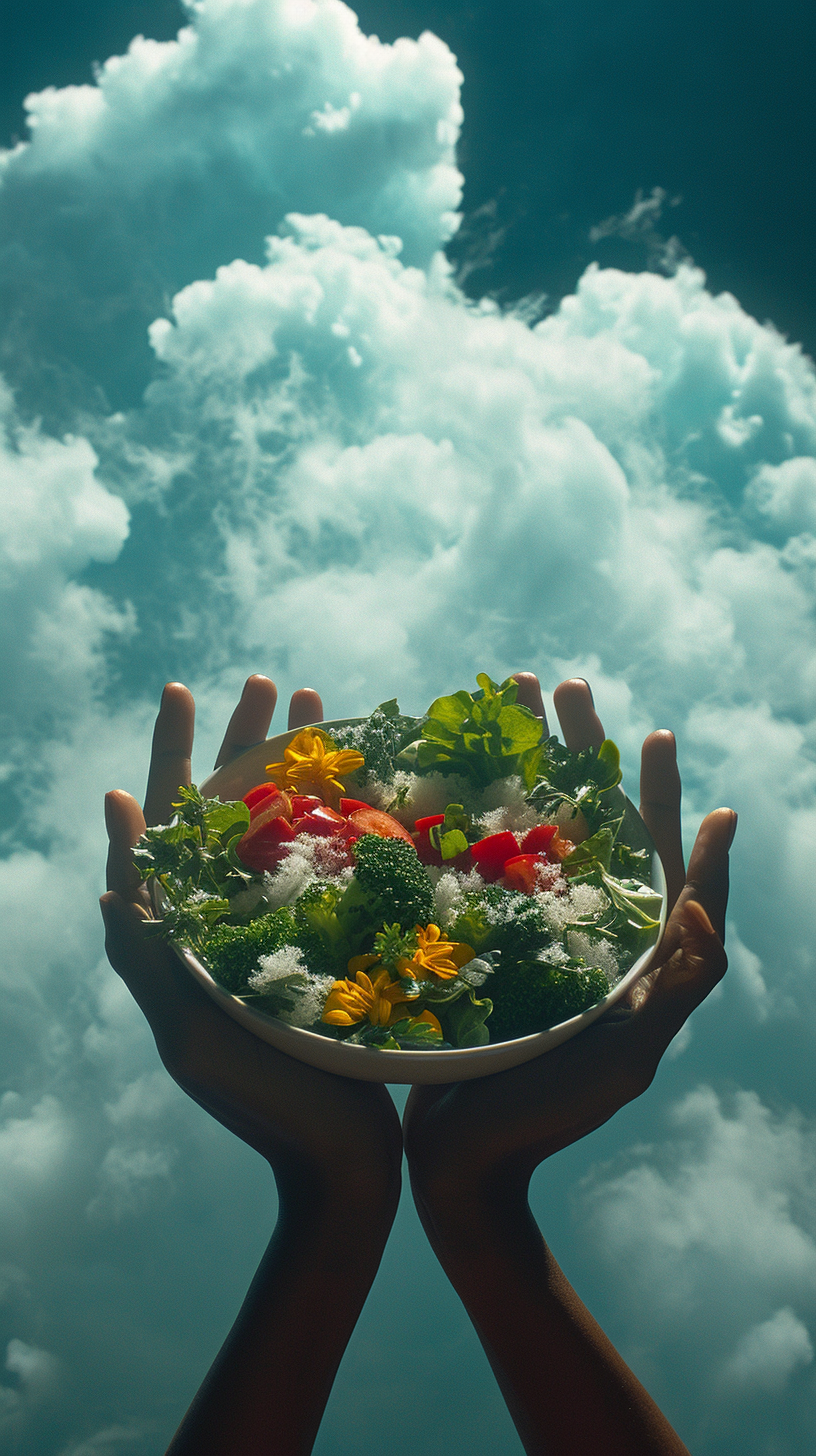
(275, 435)
(186, 153)
(714, 1231)
(37, 1370)
(767, 1354)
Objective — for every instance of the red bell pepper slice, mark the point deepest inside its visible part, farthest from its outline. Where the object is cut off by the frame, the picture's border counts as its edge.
(492, 853)
(321, 820)
(421, 826)
(426, 850)
(350, 806)
(304, 804)
(538, 839)
(258, 796)
(376, 821)
(521, 873)
(264, 844)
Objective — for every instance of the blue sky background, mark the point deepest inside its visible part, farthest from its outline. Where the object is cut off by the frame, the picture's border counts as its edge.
(245, 392)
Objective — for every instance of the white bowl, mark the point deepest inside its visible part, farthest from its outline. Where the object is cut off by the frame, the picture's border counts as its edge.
(366, 1064)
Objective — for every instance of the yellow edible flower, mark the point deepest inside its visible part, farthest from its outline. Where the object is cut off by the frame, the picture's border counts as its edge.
(435, 956)
(312, 761)
(351, 1001)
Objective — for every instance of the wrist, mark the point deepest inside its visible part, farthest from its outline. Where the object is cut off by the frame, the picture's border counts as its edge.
(337, 1197)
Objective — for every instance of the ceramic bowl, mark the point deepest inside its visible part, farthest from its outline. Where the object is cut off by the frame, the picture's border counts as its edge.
(234, 780)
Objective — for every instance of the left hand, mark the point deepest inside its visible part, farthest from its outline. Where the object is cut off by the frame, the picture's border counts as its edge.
(318, 1131)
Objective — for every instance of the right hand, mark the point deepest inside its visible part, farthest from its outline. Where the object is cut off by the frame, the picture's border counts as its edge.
(497, 1129)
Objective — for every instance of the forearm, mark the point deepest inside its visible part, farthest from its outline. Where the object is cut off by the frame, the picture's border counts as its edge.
(267, 1389)
(566, 1387)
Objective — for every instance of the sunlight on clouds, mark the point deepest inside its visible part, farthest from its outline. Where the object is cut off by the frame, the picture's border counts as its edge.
(203, 143)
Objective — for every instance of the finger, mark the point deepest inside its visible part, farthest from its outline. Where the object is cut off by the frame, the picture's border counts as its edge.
(529, 695)
(249, 723)
(580, 724)
(702, 903)
(125, 823)
(707, 875)
(697, 963)
(660, 806)
(306, 707)
(171, 752)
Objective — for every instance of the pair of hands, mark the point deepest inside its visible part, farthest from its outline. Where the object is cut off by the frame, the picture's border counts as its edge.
(320, 1131)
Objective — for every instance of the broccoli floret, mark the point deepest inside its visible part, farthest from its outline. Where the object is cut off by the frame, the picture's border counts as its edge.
(503, 920)
(318, 931)
(390, 886)
(232, 951)
(531, 996)
(379, 739)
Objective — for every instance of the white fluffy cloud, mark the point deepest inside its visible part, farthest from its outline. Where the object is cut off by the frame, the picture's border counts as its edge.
(705, 1246)
(709, 1244)
(57, 518)
(186, 153)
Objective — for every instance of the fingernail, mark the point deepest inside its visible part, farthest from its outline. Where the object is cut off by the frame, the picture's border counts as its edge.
(589, 690)
(734, 820)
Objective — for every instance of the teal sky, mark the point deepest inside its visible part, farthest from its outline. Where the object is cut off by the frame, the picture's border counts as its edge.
(245, 392)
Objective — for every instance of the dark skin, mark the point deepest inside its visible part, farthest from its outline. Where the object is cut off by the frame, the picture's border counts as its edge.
(475, 1146)
(335, 1144)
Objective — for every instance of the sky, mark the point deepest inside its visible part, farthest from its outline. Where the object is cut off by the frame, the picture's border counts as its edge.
(290, 314)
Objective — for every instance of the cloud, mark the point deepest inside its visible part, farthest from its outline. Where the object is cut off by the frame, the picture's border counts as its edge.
(639, 225)
(108, 1442)
(37, 1370)
(57, 519)
(275, 435)
(787, 494)
(186, 153)
(708, 1242)
(767, 1354)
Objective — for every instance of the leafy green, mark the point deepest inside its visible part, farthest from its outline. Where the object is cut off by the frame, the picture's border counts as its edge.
(463, 1020)
(193, 858)
(405, 1035)
(482, 736)
(583, 780)
(597, 850)
(451, 836)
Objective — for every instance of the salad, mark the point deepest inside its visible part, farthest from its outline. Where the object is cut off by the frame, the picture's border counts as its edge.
(410, 883)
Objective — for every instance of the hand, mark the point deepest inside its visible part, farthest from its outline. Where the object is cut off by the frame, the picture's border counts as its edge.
(512, 1120)
(472, 1147)
(335, 1145)
(329, 1127)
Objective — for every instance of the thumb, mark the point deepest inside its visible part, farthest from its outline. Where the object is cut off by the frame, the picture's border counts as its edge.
(666, 996)
(690, 959)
